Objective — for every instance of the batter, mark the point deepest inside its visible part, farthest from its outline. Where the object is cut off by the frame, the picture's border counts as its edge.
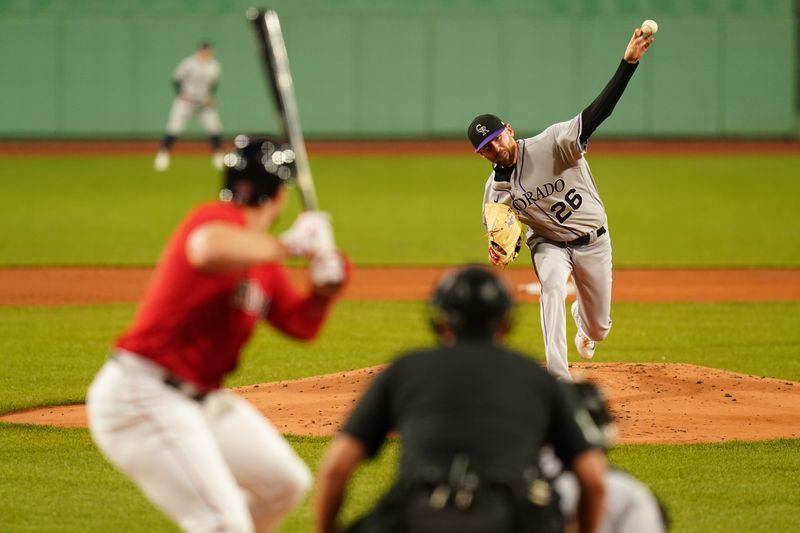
(196, 78)
(548, 183)
(156, 409)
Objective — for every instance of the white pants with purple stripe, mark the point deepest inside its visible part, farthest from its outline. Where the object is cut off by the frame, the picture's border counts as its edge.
(215, 465)
(590, 266)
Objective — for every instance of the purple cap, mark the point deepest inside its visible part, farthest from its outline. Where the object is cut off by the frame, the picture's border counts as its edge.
(484, 129)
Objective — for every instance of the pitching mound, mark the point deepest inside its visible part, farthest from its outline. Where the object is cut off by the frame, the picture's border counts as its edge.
(653, 403)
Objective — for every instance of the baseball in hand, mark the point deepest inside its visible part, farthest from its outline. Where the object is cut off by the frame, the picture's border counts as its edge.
(649, 27)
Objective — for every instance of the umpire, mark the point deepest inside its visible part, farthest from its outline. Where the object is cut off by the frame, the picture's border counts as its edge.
(472, 417)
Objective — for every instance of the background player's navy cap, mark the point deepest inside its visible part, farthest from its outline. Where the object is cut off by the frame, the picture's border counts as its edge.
(483, 129)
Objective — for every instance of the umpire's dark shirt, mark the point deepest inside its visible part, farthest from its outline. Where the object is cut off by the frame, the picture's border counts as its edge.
(493, 404)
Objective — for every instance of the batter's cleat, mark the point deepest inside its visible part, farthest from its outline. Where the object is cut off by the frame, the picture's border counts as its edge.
(584, 344)
(162, 161)
(216, 160)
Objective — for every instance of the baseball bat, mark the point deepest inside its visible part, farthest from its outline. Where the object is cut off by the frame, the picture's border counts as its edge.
(275, 60)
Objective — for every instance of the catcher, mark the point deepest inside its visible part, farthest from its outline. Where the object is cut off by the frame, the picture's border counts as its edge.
(630, 506)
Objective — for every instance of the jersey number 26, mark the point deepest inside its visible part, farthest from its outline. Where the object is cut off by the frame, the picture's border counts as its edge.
(560, 209)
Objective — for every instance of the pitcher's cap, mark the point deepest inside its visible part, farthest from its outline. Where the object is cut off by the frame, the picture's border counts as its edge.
(483, 129)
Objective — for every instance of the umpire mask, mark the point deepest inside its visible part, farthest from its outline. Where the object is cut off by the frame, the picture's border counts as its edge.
(472, 301)
(255, 169)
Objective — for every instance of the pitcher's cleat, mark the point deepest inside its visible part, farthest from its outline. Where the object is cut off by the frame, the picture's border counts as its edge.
(584, 344)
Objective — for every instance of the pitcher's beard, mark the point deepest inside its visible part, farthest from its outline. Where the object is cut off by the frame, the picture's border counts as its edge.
(505, 159)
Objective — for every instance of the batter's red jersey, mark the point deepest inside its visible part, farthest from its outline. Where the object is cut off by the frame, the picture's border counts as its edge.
(194, 324)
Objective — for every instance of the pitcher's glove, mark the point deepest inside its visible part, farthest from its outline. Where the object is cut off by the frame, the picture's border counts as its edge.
(504, 233)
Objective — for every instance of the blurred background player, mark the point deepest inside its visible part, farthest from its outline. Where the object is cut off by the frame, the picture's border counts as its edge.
(630, 507)
(203, 455)
(196, 78)
(472, 416)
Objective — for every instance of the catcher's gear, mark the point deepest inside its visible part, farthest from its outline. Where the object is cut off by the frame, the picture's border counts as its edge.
(504, 231)
(472, 300)
(591, 412)
(256, 169)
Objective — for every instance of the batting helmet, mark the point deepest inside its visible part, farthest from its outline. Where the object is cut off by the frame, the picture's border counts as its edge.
(591, 413)
(256, 169)
(472, 301)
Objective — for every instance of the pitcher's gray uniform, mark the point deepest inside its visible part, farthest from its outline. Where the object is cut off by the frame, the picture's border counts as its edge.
(553, 192)
(547, 181)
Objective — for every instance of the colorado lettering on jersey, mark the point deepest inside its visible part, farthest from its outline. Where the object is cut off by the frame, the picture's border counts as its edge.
(249, 297)
(541, 192)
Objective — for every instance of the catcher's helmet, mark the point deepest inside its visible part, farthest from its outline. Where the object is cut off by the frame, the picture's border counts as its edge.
(255, 169)
(472, 301)
(591, 413)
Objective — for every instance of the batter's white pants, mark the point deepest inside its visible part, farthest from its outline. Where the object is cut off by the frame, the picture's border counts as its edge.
(216, 465)
(590, 266)
(182, 110)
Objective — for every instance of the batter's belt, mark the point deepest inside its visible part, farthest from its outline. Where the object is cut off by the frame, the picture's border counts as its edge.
(580, 241)
(137, 363)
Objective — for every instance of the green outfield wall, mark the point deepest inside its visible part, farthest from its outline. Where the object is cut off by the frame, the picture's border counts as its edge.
(413, 68)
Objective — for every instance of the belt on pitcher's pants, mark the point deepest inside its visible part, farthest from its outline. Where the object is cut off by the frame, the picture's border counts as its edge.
(580, 241)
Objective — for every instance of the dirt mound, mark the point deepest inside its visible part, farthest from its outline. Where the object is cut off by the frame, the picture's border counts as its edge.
(653, 403)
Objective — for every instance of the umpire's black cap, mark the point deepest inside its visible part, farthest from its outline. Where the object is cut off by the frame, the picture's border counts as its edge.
(256, 168)
(472, 300)
(484, 129)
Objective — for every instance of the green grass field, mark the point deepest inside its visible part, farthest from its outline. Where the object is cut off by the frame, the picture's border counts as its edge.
(69, 343)
(54, 480)
(684, 211)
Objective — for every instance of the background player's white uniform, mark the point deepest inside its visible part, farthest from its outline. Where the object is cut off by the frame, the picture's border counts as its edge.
(197, 79)
(553, 191)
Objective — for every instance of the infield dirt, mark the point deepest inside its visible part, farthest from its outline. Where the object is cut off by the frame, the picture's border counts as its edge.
(654, 403)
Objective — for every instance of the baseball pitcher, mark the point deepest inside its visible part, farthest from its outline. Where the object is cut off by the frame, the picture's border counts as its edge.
(546, 181)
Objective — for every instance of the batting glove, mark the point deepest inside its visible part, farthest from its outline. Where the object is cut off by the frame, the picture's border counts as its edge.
(310, 234)
(329, 272)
